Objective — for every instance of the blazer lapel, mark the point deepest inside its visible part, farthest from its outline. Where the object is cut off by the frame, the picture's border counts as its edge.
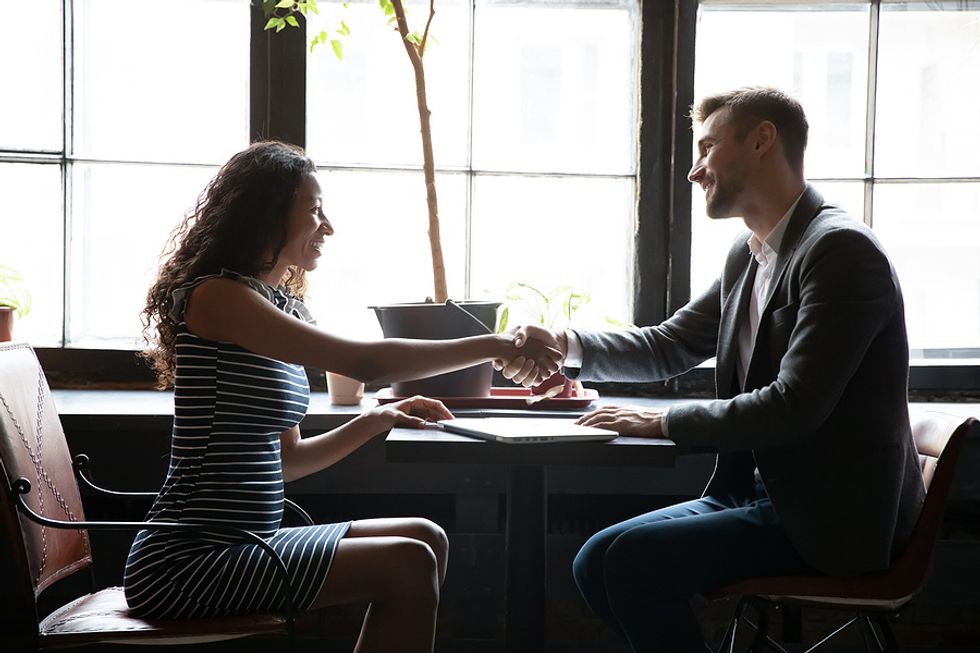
(733, 313)
(806, 209)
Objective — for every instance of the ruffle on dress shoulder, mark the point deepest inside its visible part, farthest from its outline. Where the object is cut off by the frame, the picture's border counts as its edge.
(282, 299)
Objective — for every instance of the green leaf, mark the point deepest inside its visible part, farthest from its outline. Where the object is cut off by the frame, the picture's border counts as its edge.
(323, 36)
(504, 317)
(414, 38)
(344, 29)
(272, 23)
(285, 4)
(338, 48)
(292, 20)
(280, 26)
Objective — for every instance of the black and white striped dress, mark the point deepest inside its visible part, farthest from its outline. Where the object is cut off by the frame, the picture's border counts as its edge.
(230, 407)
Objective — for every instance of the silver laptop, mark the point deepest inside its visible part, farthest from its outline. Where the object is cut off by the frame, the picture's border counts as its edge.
(525, 429)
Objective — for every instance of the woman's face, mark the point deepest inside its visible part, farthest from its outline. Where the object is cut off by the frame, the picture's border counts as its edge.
(306, 227)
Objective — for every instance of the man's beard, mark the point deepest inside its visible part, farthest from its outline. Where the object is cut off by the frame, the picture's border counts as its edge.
(723, 198)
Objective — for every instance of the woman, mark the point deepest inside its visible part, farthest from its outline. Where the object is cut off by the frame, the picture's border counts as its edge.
(232, 336)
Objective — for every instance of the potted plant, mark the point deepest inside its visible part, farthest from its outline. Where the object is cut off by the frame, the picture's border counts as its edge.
(434, 318)
(552, 309)
(14, 298)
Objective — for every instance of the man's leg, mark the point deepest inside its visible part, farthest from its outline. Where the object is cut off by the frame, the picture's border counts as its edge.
(652, 570)
(588, 566)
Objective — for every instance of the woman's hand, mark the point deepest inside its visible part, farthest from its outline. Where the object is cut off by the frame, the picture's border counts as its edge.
(535, 355)
(413, 412)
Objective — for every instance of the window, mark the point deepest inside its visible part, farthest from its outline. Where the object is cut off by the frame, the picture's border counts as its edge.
(534, 144)
(92, 180)
(891, 95)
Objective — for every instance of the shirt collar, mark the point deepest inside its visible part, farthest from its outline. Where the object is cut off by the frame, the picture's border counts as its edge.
(765, 252)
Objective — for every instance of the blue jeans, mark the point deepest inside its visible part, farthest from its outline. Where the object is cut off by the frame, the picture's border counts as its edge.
(639, 575)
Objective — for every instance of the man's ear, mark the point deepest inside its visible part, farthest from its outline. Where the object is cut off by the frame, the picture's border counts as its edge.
(764, 136)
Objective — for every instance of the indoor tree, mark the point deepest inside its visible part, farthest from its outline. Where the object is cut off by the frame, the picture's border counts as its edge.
(282, 14)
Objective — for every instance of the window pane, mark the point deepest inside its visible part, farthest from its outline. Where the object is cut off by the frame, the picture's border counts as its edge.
(554, 85)
(380, 251)
(551, 232)
(32, 121)
(928, 95)
(711, 239)
(161, 81)
(932, 234)
(123, 216)
(819, 54)
(363, 109)
(33, 233)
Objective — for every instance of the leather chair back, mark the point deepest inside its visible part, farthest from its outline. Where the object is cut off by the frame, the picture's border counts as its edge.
(33, 446)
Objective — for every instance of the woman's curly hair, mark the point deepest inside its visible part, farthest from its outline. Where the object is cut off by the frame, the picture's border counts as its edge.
(238, 223)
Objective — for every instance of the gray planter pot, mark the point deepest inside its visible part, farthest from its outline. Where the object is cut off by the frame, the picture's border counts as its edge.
(441, 322)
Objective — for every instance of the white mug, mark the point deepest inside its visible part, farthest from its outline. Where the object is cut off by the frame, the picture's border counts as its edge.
(344, 391)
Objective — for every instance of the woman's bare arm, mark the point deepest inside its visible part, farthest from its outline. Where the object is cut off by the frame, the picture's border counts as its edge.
(225, 310)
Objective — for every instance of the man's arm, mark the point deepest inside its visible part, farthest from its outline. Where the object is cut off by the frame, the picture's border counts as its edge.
(847, 296)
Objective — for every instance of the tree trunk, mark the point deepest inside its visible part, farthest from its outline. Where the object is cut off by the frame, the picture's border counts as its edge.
(440, 291)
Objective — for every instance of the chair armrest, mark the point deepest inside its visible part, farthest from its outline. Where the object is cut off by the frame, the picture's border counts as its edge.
(299, 512)
(81, 464)
(22, 487)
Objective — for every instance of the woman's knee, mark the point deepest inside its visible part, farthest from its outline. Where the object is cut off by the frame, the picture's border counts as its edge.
(412, 567)
(429, 532)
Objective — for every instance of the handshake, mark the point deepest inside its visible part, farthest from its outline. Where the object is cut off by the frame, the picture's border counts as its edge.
(534, 354)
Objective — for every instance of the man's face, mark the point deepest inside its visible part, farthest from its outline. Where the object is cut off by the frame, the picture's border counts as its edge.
(720, 167)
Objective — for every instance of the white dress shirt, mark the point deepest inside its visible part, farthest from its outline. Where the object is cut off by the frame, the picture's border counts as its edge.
(766, 254)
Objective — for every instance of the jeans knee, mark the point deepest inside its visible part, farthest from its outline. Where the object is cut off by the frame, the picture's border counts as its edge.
(588, 572)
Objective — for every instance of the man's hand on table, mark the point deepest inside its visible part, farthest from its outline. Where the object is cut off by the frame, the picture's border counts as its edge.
(627, 420)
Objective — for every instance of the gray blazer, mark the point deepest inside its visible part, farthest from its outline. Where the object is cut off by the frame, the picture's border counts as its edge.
(825, 411)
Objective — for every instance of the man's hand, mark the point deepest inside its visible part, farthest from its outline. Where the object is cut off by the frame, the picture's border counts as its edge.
(526, 368)
(626, 420)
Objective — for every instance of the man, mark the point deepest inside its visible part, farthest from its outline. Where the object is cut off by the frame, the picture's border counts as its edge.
(817, 470)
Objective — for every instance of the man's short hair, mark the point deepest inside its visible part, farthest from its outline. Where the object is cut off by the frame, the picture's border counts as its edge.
(753, 104)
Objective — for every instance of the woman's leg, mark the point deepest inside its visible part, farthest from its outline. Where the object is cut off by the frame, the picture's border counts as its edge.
(397, 566)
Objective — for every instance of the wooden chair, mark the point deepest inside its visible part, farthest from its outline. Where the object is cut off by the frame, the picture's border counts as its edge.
(871, 598)
(45, 534)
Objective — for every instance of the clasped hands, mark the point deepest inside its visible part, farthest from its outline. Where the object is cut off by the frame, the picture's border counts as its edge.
(534, 365)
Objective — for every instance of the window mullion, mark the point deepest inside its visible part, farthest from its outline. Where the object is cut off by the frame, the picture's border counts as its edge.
(869, 129)
(67, 150)
(468, 197)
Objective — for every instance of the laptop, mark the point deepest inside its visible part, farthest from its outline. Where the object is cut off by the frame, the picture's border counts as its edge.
(525, 429)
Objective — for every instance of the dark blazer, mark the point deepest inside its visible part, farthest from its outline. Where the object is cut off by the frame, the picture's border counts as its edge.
(825, 411)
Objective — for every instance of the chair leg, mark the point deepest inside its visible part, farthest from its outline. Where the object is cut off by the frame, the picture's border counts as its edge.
(727, 644)
(759, 643)
(886, 631)
(870, 636)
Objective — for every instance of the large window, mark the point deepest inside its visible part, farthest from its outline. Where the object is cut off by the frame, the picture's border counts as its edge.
(534, 118)
(890, 89)
(561, 145)
(93, 178)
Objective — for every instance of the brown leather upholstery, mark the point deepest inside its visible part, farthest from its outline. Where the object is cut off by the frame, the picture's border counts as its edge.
(37, 556)
(939, 438)
(104, 617)
(32, 445)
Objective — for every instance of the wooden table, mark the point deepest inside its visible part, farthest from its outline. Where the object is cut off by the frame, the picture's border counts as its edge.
(527, 501)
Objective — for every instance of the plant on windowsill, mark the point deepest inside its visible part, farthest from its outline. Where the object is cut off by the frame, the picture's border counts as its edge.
(435, 318)
(552, 309)
(14, 298)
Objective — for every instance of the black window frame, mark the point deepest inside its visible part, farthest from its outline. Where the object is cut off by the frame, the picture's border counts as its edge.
(662, 239)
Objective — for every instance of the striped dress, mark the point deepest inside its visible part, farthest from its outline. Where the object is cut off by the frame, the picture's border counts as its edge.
(230, 407)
